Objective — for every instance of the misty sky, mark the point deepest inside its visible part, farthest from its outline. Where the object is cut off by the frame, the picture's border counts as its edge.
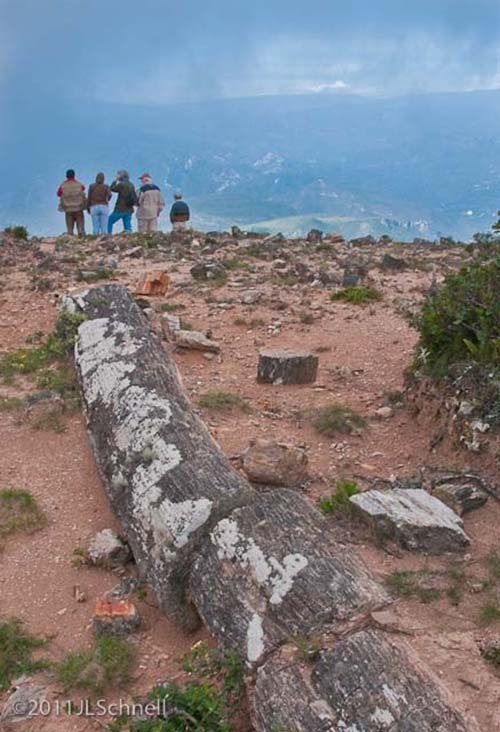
(157, 51)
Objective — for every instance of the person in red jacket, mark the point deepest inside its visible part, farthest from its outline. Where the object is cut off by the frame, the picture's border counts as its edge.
(73, 202)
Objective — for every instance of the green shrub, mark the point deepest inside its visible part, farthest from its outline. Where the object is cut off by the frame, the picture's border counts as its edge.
(18, 232)
(357, 295)
(56, 346)
(339, 501)
(490, 613)
(16, 651)
(413, 584)
(461, 323)
(336, 418)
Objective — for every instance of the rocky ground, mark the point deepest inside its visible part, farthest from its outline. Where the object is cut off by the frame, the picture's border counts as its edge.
(250, 293)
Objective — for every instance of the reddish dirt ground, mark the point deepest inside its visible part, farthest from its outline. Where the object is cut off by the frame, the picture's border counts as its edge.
(363, 355)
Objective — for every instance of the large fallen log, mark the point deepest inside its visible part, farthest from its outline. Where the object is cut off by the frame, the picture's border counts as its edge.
(261, 569)
(167, 480)
(365, 683)
(272, 571)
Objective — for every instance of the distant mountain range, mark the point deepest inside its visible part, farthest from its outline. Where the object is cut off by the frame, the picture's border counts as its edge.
(409, 166)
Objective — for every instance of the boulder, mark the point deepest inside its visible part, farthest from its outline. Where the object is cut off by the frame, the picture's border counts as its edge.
(274, 463)
(23, 702)
(413, 517)
(314, 236)
(250, 297)
(107, 549)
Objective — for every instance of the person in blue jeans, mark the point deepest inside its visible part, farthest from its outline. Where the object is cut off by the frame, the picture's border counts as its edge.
(125, 202)
(98, 199)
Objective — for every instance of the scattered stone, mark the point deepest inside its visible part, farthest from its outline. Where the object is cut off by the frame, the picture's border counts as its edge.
(115, 617)
(417, 520)
(170, 324)
(153, 283)
(204, 271)
(461, 493)
(393, 263)
(384, 413)
(250, 297)
(107, 549)
(193, 339)
(135, 252)
(274, 463)
(350, 279)
(287, 367)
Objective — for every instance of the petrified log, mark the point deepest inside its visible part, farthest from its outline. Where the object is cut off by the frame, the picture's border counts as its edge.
(167, 480)
(365, 683)
(287, 367)
(272, 570)
(414, 518)
(153, 283)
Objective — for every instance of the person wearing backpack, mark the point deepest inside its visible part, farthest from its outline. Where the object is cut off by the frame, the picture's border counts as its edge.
(73, 202)
(125, 202)
(150, 203)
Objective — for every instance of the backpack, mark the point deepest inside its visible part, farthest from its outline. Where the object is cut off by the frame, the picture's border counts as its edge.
(72, 197)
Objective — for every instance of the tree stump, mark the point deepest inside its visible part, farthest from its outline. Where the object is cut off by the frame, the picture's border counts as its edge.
(166, 478)
(287, 367)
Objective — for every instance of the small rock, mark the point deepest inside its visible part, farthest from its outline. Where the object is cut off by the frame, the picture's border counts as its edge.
(42, 406)
(208, 271)
(250, 297)
(274, 463)
(170, 324)
(384, 413)
(393, 263)
(314, 236)
(350, 279)
(26, 696)
(107, 549)
(192, 339)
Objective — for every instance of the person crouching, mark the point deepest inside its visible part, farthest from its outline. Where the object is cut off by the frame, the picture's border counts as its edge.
(150, 205)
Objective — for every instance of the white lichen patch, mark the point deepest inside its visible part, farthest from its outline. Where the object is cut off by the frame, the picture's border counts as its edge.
(100, 348)
(382, 717)
(255, 638)
(269, 572)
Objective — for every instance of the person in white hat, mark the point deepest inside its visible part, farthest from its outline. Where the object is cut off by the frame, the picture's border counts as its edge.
(150, 205)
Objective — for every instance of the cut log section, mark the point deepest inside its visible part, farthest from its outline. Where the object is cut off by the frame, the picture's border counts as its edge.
(272, 571)
(365, 683)
(287, 367)
(167, 480)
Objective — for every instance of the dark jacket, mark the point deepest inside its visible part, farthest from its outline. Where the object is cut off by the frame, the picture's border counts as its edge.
(99, 193)
(179, 212)
(127, 198)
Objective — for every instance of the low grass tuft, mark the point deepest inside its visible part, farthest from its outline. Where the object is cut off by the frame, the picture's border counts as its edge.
(490, 613)
(335, 418)
(412, 584)
(10, 404)
(357, 295)
(223, 401)
(16, 652)
(19, 512)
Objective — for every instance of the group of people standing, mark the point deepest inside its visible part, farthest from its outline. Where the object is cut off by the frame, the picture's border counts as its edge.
(146, 200)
